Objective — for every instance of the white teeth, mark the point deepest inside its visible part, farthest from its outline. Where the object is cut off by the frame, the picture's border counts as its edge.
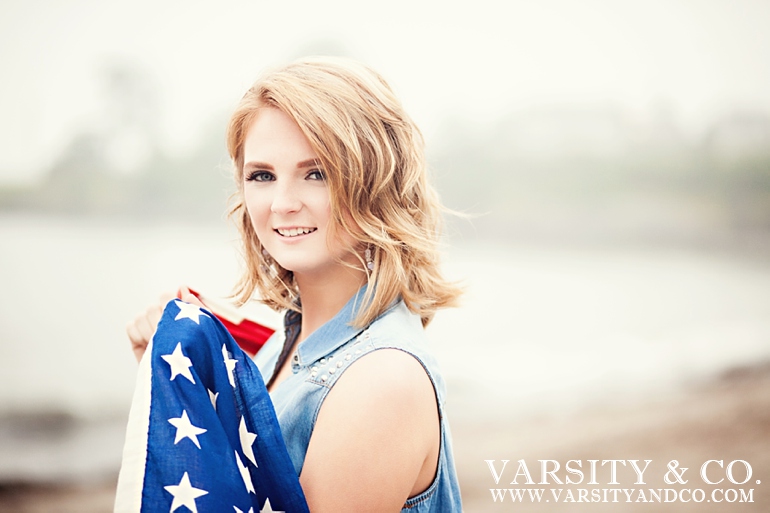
(293, 232)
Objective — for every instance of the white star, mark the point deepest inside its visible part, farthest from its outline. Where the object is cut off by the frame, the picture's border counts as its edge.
(184, 494)
(244, 474)
(251, 510)
(229, 364)
(267, 508)
(188, 311)
(179, 363)
(247, 439)
(185, 429)
(213, 398)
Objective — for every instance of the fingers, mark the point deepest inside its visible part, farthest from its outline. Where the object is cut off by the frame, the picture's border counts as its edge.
(151, 319)
(138, 343)
(143, 327)
(138, 340)
(188, 297)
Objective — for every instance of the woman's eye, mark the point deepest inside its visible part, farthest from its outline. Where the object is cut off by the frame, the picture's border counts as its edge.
(259, 176)
(316, 174)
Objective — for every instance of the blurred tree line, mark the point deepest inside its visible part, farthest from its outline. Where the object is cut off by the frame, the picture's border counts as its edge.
(116, 166)
(595, 174)
(560, 173)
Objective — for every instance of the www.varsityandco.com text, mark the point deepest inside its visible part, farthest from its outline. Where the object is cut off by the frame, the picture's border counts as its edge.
(621, 481)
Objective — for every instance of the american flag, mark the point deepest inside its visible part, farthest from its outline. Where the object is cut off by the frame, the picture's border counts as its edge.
(202, 432)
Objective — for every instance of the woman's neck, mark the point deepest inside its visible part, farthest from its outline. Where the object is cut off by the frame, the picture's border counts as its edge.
(325, 295)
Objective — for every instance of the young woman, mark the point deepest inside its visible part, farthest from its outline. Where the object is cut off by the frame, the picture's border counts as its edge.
(340, 229)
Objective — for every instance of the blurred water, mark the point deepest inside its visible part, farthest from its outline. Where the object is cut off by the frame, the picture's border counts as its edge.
(68, 289)
(541, 330)
(553, 331)
(534, 320)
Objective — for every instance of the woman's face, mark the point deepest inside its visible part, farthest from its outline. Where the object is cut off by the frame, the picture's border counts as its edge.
(287, 197)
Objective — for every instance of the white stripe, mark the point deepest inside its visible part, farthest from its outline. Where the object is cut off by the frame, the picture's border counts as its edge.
(128, 498)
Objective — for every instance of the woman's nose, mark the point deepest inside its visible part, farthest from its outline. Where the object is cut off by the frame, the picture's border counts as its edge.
(286, 199)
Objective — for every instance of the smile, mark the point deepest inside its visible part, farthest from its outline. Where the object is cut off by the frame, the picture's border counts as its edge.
(293, 232)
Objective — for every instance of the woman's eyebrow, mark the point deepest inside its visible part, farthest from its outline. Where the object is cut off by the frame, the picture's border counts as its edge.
(309, 163)
(258, 165)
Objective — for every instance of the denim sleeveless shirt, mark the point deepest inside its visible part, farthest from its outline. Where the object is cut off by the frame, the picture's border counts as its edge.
(324, 356)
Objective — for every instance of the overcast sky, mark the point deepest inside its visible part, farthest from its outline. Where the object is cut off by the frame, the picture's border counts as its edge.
(469, 60)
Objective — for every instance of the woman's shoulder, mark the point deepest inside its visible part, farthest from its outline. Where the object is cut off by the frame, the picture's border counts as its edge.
(385, 375)
(396, 325)
(400, 328)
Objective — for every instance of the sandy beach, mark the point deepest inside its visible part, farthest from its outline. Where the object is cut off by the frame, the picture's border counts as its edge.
(726, 418)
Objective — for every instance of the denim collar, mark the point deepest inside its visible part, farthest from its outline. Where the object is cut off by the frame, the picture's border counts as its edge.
(331, 335)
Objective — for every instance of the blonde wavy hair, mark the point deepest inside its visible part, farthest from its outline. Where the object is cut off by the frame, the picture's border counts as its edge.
(373, 158)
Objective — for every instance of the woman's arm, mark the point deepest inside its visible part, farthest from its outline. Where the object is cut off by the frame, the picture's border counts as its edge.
(377, 437)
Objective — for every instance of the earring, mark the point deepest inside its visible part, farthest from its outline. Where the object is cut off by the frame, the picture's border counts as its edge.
(368, 256)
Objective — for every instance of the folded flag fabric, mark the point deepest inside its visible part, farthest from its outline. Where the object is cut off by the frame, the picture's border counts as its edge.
(250, 334)
(202, 433)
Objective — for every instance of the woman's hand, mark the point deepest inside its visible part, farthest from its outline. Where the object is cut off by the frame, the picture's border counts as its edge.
(143, 327)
